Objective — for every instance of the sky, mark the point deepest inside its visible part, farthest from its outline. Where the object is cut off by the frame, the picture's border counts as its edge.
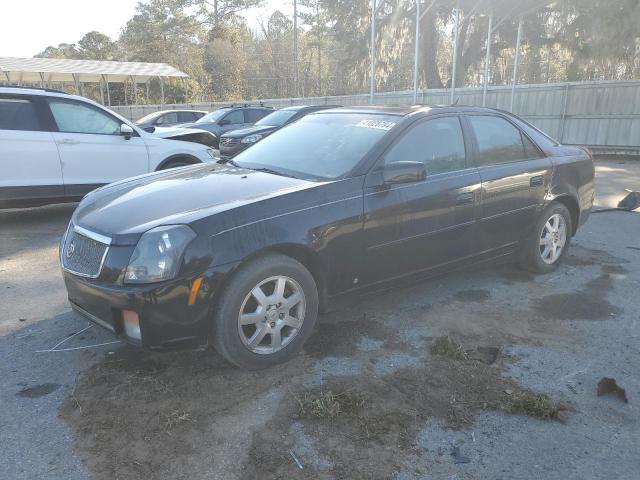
(27, 27)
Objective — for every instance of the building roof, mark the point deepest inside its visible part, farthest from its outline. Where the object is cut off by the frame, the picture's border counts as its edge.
(29, 70)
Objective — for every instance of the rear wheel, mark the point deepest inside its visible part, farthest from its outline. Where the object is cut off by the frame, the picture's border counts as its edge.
(266, 312)
(548, 241)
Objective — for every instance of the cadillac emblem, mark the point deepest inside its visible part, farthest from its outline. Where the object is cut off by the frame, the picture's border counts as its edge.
(70, 249)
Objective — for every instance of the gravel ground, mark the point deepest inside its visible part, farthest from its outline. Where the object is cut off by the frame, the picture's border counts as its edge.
(559, 334)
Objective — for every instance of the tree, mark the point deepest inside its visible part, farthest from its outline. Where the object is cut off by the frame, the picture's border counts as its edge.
(97, 46)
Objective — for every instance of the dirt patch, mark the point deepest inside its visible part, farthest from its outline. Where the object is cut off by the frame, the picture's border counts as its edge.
(514, 274)
(38, 390)
(579, 256)
(472, 295)
(614, 269)
(589, 303)
(375, 436)
(173, 415)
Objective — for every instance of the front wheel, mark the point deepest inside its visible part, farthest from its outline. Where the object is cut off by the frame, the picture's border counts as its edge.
(549, 240)
(266, 312)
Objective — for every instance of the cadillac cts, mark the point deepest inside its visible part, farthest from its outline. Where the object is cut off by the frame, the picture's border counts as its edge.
(243, 255)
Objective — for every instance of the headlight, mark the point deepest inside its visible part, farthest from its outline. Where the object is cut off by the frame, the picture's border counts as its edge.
(251, 138)
(158, 254)
(211, 152)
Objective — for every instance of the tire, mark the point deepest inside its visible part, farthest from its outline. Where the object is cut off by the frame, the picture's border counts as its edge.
(246, 328)
(545, 258)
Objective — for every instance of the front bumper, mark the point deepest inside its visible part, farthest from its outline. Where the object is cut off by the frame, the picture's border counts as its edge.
(230, 151)
(166, 319)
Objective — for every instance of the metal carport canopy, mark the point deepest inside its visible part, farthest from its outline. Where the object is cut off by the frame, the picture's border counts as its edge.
(56, 70)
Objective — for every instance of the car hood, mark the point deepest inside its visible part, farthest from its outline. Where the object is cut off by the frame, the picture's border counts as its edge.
(126, 209)
(264, 129)
(170, 132)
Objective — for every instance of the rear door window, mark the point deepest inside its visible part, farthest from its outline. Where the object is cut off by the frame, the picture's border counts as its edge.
(168, 119)
(184, 117)
(18, 114)
(498, 140)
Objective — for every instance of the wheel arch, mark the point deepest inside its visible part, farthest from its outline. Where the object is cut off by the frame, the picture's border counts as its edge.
(574, 209)
(192, 159)
(309, 258)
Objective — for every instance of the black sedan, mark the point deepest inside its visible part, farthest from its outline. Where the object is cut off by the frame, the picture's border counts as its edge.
(235, 141)
(243, 255)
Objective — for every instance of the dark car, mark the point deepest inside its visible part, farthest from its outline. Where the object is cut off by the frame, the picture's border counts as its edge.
(243, 254)
(168, 118)
(235, 141)
(230, 118)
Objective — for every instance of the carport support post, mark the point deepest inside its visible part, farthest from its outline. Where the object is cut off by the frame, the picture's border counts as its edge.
(455, 52)
(487, 59)
(135, 89)
(106, 82)
(101, 91)
(515, 65)
(161, 91)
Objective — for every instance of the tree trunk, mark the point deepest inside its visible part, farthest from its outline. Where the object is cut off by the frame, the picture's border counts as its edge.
(429, 50)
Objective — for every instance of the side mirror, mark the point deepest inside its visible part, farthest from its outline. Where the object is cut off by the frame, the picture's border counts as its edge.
(403, 172)
(224, 122)
(126, 131)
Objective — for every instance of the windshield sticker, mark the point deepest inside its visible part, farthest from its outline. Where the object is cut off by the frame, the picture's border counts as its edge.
(379, 124)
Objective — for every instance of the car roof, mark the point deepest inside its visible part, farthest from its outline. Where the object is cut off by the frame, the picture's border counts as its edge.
(180, 110)
(297, 108)
(405, 110)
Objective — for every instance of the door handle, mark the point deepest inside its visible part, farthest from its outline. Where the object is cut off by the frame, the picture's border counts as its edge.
(536, 181)
(68, 141)
(465, 198)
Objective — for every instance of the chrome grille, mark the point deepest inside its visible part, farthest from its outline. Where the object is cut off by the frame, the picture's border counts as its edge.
(81, 254)
(227, 142)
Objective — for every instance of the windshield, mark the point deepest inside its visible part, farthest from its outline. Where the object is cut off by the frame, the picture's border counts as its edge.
(277, 118)
(321, 146)
(213, 117)
(148, 118)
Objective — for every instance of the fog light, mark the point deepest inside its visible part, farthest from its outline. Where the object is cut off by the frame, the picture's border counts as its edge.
(131, 324)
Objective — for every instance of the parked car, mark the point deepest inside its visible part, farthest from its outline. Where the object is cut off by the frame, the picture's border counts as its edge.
(56, 147)
(242, 255)
(168, 118)
(230, 118)
(235, 141)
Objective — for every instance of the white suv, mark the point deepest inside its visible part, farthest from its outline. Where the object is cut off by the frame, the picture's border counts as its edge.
(56, 147)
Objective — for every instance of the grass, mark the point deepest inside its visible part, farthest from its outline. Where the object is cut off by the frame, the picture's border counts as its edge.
(328, 404)
(448, 347)
(533, 404)
(175, 418)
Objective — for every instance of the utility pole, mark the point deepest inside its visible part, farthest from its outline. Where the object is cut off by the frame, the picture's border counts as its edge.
(455, 52)
(487, 59)
(515, 65)
(416, 53)
(372, 86)
(295, 47)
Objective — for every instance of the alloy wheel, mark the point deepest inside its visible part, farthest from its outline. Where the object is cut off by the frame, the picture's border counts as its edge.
(271, 315)
(553, 238)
